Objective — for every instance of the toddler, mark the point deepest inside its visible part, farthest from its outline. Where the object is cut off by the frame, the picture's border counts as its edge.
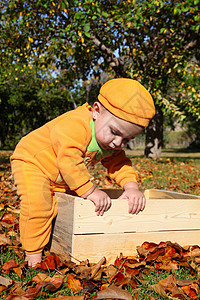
(56, 155)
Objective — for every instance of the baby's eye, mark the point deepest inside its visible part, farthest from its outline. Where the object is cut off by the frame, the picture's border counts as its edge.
(114, 132)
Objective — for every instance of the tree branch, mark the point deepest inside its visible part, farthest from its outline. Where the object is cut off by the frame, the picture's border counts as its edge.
(107, 53)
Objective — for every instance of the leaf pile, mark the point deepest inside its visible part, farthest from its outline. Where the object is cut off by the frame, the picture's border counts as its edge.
(84, 280)
(159, 271)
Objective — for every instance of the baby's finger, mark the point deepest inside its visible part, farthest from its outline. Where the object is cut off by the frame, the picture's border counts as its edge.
(133, 205)
(143, 203)
(99, 209)
(140, 205)
(108, 204)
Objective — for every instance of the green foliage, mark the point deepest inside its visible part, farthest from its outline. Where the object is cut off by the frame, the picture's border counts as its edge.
(151, 41)
(28, 100)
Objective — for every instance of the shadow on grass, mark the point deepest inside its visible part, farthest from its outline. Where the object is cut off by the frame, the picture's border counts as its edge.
(181, 150)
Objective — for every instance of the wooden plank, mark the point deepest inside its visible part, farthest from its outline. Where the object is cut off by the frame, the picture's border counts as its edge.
(159, 214)
(64, 221)
(93, 247)
(162, 194)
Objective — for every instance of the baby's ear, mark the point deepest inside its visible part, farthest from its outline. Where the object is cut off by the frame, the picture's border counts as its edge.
(96, 110)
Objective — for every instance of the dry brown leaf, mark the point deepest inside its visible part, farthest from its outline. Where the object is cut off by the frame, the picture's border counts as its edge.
(32, 292)
(17, 289)
(16, 297)
(116, 277)
(195, 253)
(96, 267)
(9, 265)
(4, 240)
(68, 298)
(168, 282)
(171, 266)
(54, 283)
(5, 281)
(109, 270)
(40, 277)
(183, 282)
(85, 271)
(136, 264)
(176, 292)
(114, 292)
(158, 288)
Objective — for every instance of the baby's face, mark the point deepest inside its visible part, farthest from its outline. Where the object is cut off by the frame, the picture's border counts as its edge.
(112, 132)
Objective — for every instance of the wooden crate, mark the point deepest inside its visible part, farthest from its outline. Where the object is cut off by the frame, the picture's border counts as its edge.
(168, 216)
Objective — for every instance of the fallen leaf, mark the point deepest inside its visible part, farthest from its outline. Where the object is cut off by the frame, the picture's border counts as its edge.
(158, 288)
(114, 292)
(54, 283)
(171, 266)
(4, 240)
(16, 297)
(116, 277)
(9, 218)
(69, 298)
(73, 283)
(50, 262)
(9, 265)
(5, 281)
(17, 289)
(40, 277)
(96, 267)
(33, 292)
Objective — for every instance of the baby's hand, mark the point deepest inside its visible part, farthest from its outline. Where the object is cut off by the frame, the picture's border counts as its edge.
(101, 201)
(136, 198)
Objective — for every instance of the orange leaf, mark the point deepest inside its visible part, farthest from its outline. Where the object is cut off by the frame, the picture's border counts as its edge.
(74, 284)
(149, 246)
(9, 218)
(191, 291)
(117, 277)
(169, 251)
(50, 262)
(119, 262)
(8, 265)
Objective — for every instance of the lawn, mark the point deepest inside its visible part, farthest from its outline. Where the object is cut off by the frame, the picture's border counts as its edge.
(159, 271)
(174, 171)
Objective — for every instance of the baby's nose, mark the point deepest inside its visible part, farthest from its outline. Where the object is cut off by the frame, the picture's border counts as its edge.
(117, 141)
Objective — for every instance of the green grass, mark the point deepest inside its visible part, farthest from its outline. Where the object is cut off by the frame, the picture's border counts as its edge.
(179, 174)
(154, 277)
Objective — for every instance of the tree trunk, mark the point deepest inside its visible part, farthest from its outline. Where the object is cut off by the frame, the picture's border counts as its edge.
(154, 135)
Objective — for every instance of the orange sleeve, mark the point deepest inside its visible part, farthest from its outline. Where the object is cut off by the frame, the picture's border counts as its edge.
(70, 138)
(120, 168)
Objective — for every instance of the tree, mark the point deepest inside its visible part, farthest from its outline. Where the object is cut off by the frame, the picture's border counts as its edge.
(150, 41)
(31, 93)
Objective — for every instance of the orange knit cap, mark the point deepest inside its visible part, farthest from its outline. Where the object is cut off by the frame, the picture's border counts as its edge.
(127, 99)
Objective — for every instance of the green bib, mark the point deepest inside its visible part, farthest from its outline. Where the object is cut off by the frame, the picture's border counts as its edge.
(94, 146)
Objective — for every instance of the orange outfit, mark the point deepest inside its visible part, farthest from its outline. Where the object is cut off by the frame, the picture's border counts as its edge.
(57, 155)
